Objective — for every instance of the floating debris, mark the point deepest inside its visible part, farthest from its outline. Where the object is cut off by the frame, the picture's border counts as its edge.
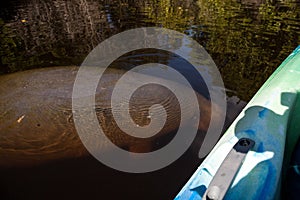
(20, 118)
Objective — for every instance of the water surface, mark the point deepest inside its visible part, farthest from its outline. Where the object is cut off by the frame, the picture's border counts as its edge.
(247, 39)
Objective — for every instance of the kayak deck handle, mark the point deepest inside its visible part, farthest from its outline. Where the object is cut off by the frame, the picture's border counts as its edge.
(228, 169)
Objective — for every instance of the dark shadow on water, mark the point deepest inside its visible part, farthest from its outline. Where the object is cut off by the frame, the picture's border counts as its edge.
(86, 178)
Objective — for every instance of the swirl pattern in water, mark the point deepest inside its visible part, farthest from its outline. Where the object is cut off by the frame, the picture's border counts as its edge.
(42, 158)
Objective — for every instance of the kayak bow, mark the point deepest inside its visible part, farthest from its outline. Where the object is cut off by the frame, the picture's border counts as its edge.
(271, 120)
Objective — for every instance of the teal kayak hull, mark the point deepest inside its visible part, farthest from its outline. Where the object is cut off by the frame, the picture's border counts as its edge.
(272, 120)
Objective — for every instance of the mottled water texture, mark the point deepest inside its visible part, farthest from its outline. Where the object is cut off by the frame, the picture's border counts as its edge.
(41, 156)
(247, 39)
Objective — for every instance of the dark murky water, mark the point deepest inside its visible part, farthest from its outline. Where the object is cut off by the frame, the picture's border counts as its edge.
(247, 39)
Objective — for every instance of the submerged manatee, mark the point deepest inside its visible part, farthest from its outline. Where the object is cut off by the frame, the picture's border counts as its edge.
(36, 115)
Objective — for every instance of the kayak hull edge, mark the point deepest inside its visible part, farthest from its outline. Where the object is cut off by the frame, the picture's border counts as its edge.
(270, 119)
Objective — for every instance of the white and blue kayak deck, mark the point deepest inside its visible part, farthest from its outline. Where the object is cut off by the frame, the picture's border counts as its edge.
(272, 120)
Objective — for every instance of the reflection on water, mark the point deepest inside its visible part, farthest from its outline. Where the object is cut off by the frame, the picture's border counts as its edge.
(247, 39)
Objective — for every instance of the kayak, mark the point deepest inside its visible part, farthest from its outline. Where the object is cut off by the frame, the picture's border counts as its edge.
(267, 131)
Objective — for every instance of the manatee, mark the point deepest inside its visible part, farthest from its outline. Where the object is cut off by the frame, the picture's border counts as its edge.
(37, 122)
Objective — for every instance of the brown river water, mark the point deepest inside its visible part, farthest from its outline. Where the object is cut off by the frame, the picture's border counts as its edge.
(247, 39)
